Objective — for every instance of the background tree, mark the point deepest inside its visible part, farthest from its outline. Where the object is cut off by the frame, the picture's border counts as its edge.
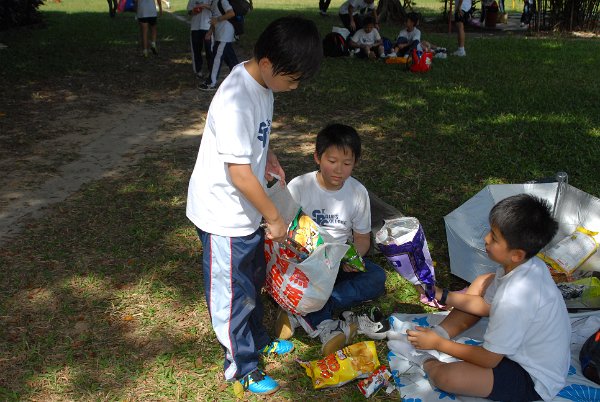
(15, 13)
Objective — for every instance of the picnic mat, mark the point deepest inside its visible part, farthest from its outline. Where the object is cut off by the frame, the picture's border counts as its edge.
(414, 387)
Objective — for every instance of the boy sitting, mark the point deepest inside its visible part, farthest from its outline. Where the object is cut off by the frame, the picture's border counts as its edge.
(339, 204)
(525, 354)
(410, 38)
(367, 41)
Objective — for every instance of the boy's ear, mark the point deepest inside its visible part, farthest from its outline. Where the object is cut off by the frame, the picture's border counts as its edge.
(517, 255)
(317, 160)
(265, 63)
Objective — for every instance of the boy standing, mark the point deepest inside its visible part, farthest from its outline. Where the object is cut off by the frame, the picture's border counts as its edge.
(224, 35)
(339, 204)
(461, 17)
(367, 40)
(146, 15)
(200, 10)
(226, 196)
(525, 354)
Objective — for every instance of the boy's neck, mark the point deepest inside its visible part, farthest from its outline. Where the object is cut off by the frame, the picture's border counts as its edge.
(511, 267)
(254, 70)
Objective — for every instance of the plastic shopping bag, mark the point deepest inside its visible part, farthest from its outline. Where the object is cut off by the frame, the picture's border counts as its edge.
(403, 243)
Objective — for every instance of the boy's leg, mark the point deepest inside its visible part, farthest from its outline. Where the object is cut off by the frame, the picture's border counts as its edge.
(457, 321)
(229, 56)
(154, 30)
(218, 53)
(144, 31)
(460, 26)
(197, 41)
(230, 291)
(460, 377)
(208, 50)
(259, 271)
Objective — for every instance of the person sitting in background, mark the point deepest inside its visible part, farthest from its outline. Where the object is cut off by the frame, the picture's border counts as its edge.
(367, 41)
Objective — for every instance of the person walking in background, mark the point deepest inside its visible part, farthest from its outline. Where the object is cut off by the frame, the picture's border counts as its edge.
(147, 15)
(528, 12)
(461, 17)
(323, 6)
(224, 35)
(112, 7)
(200, 37)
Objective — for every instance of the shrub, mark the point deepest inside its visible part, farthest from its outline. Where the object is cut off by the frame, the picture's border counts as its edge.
(15, 13)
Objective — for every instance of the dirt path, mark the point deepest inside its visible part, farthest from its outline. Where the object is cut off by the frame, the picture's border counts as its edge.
(112, 141)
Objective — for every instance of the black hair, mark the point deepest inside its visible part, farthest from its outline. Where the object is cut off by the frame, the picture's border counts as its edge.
(293, 45)
(340, 136)
(414, 17)
(369, 19)
(525, 221)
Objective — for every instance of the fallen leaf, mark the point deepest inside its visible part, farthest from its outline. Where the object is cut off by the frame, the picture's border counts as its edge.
(223, 386)
(238, 390)
(128, 317)
(198, 362)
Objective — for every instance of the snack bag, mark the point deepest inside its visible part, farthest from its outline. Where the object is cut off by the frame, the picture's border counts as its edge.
(354, 361)
(354, 259)
(378, 379)
(403, 243)
(305, 232)
(568, 254)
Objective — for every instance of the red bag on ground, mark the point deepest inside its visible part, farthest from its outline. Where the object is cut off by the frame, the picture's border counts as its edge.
(421, 61)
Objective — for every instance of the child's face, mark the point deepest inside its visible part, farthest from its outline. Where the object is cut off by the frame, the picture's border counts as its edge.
(410, 25)
(498, 250)
(368, 28)
(277, 82)
(336, 166)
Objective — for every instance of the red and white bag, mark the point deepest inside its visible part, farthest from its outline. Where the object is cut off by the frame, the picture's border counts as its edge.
(300, 282)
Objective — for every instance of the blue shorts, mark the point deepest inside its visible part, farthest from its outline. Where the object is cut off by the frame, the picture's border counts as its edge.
(512, 383)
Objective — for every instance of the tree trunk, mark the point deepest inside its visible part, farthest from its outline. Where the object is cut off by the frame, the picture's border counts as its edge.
(391, 10)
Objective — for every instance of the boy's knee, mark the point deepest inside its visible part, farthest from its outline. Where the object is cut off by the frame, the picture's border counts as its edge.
(440, 376)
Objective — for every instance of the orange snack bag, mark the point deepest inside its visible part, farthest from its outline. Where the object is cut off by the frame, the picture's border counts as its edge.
(354, 361)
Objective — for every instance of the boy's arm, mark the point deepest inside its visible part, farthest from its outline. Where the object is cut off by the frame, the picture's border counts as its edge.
(425, 338)
(362, 242)
(246, 182)
(473, 304)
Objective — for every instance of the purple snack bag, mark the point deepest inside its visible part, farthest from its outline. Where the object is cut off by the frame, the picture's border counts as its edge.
(403, 243)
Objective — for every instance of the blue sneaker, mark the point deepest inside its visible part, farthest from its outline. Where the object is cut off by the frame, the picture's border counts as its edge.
(278, 347)
(258, 382)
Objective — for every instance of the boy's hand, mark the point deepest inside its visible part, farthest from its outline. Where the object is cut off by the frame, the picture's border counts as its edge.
(423, 338)
(276, 230)
(349, 268)
(273, 166)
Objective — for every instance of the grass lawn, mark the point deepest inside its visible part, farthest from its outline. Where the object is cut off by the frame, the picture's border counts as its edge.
(102, 298)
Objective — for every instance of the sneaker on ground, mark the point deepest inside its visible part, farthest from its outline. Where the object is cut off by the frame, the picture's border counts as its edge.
(440, 56)
(207, 87)
(278, 347)
(199, 76)
(392, 54)
(323, 13)
(459, 53)
(145, 53)
(258, 382)
(382, 56)
(373, 329)
(285, 325)
(153, 48)
(335, 334)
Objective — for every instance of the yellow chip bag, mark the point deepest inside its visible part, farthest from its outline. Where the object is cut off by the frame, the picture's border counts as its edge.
(354, 361)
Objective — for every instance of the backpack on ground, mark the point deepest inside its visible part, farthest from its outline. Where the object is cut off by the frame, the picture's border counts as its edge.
(240, 8)
(334, 45)
(589, 357)
(421, 61)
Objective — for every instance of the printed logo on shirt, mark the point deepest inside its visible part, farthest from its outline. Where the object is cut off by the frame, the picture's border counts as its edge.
(264, 129)
(322, 218)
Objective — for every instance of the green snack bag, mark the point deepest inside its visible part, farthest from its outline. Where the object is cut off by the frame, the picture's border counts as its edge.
(354, 259)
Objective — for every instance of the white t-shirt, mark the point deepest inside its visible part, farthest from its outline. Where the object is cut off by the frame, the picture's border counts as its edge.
(146, 9)
(201, 20)
(338, 212)
(411, 36)
(530, 325)
(358, 6)
(466, 5)
(224, 31)
(236, 131)
(363, 38)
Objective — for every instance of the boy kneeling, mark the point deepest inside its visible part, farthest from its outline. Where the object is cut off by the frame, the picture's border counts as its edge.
(525, 355)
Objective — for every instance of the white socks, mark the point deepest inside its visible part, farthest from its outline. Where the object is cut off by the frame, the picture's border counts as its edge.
(409, 352)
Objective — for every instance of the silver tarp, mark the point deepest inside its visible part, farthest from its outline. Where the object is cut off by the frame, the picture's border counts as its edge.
(467, 225)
